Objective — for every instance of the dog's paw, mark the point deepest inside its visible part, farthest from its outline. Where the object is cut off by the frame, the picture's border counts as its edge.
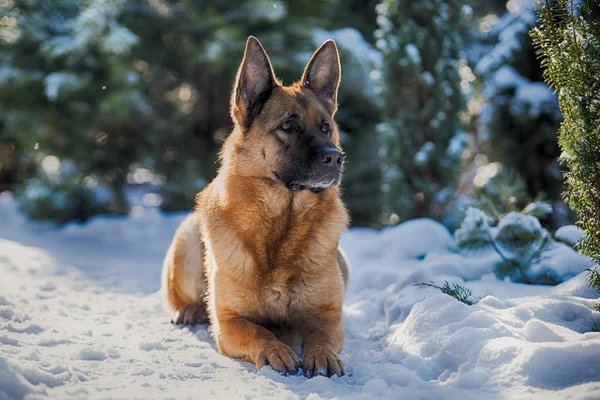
(190, 315)
(280, 357)
(321, 360)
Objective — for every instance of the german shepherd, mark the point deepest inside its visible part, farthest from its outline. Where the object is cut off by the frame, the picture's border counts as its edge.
(259, 257)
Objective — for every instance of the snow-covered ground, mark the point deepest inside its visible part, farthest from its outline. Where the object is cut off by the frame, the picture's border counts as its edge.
(80, 317)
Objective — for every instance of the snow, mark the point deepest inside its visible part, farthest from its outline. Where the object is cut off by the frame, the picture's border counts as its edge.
(510, 30)
(476, 226)
(560, 261)
(515, 225)
(95, 26)
(484, 345)
(458, 144)
(422, 156)
(413, 53)
(81, 317)
(265, 10)
(361, 60)
(520, 236)
(534, 98)
(58, 83)
(351, 40)
(570, 234)
(531, 100)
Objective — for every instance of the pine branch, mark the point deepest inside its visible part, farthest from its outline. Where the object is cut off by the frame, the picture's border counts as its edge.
(460, 293)
(593, 279)
(497, 250)
(568, 44)
(538, 252)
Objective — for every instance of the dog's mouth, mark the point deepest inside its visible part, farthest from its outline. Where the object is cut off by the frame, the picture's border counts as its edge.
(315, 186)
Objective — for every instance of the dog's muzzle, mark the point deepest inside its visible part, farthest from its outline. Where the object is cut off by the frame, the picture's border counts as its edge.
(325, 171)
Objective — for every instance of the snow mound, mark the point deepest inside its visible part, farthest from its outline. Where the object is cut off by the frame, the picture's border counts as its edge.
(406, 239)
(577, 286)
(561, 262)
(483, 345)
(569, 234)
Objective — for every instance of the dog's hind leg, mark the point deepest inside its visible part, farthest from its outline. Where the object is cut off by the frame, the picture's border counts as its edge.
(343, 264)
(183, 278)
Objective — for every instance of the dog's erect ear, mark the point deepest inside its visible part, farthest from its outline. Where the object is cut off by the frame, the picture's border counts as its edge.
(254, 83)
(322, 75)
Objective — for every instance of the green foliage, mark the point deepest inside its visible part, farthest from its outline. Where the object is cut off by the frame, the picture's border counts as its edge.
(68, 196)
(421, 137)
(475, 231)
(593, 279)
(357, 115)
(504, 191)
(538, 209)
(518, 238)
(115, 86)
(566, 39)
(460, 293)
(518, 230)
(499, 190)
(518, 114)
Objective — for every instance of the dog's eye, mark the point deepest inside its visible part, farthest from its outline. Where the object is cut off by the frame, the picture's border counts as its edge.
(325, 127)
(286, 126)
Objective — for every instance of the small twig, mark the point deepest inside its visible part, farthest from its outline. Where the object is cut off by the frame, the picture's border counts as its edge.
(538, 251)
(524, 277)
(497, 250)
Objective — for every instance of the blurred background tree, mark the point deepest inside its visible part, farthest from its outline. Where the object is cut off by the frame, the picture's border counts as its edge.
(516, 115)
(110, 105)
(111, 95)
(421, 134)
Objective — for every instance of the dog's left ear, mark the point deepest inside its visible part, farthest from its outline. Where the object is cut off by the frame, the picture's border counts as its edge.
(322, 75)
(254, 83)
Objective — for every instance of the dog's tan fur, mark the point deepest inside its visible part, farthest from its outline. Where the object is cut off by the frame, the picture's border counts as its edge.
(264, 259)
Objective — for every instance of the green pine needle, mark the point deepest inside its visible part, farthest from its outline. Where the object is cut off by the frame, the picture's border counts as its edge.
(593, 279)
(460, 293)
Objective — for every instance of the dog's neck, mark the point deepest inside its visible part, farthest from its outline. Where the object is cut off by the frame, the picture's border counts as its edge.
(269, 194)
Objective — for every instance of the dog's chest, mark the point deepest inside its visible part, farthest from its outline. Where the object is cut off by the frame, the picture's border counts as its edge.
(281, 293)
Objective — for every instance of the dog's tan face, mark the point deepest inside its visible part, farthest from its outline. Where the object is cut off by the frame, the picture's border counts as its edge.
(289, 131)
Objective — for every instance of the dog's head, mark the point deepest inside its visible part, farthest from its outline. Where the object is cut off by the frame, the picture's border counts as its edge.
(287, 133)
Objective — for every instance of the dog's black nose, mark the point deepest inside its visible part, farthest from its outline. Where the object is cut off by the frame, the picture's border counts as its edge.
(331, 156)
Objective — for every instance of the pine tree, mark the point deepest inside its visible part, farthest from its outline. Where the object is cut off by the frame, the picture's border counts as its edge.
(518, 115)
(421, 134)
(67, 89)
(567, 41)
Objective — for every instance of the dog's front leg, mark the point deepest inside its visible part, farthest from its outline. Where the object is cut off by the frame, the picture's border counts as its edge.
(239, 338)
(321, 346)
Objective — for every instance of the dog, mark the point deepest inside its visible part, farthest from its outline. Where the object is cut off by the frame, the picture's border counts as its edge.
(260, 258)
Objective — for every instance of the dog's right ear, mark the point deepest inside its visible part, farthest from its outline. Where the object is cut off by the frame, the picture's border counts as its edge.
(253, 86)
